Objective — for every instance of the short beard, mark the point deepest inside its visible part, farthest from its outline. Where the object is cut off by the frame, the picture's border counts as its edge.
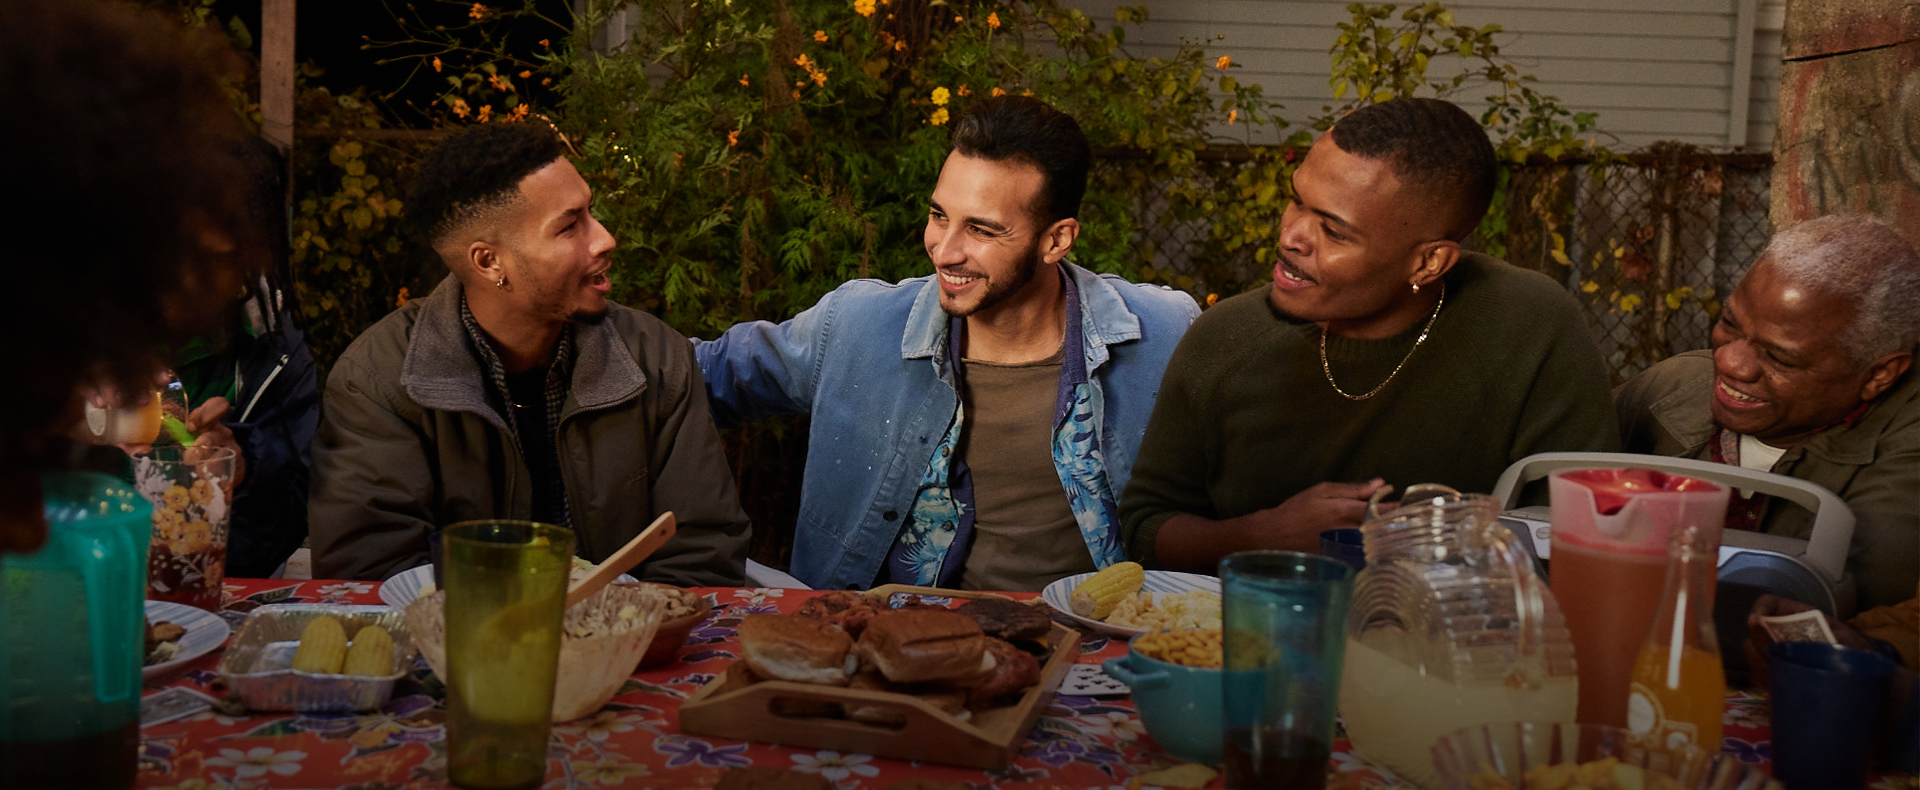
(1000, 292)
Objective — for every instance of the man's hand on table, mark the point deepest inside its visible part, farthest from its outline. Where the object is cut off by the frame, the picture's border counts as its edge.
(1196, 544)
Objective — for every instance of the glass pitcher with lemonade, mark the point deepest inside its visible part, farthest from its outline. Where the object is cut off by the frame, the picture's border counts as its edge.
(1450, 627)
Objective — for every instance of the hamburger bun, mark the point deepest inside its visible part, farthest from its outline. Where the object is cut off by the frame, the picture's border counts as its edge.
(791, 647)
(1014, 669)
(919, 645)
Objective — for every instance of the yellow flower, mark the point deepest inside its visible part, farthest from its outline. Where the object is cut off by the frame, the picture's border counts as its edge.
(958, 20)
(863, 7)
(962, 90)
(436, 64)
(733, 138)
(485, 111)
(500, 83)
(164, 520)
(526, 74)
(1232, 114)
(401, 301)
(939, 117)
(519, 111)
(804, 62)
(543, 42)
(460, 107)
(1223, 62)
(819, 77)
(899, 46)
(820, 36)
(1212, 298)
(201, 492)
(993, 20)
(743, 80)
(175, 536)
(997, 92)
(175, 497)
(478, 11)
(940, 97)
(195, 537)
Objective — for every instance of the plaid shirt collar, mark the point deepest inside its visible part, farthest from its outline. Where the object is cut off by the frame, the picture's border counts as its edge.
(559, 374)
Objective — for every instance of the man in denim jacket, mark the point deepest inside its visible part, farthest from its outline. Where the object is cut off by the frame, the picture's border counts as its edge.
(928, 457)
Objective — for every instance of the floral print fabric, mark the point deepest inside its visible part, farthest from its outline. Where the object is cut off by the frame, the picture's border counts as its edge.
(634, 741)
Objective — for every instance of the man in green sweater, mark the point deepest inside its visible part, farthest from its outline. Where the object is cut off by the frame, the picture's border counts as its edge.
(1382, 355)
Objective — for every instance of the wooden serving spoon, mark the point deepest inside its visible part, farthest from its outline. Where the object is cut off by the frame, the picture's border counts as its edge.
(642, 546)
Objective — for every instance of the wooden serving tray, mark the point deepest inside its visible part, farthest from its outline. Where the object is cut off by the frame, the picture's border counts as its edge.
(733, 706)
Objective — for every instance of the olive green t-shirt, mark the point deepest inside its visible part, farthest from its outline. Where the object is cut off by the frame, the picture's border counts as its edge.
(1024, 535)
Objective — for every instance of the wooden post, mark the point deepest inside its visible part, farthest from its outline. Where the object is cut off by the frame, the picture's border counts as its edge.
(1849, 128)
(276, 72)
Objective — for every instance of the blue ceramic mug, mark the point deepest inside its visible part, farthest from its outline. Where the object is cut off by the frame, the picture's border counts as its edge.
(1180, 705)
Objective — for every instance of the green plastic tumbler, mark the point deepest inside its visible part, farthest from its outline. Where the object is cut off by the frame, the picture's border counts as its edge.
(72, 625)
(506, 594)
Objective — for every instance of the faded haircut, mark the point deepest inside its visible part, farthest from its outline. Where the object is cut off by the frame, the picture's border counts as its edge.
(1023, 129)
(477, 170)
(1432, 145)
(1865, 261)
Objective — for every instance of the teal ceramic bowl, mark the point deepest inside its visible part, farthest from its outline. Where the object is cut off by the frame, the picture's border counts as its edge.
(1180, 706)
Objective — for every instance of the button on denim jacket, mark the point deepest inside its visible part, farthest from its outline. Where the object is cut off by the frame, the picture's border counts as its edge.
(881, 414)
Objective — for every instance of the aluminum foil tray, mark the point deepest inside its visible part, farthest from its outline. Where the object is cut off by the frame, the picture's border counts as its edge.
(258, 663)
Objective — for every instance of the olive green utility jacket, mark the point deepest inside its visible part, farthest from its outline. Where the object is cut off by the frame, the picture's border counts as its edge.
(409, 443)
(1873, 464)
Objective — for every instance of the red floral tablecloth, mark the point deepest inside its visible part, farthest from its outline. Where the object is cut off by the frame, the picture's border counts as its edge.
(635, 741)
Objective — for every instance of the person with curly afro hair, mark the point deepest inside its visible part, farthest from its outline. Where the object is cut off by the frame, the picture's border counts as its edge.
(125, 237)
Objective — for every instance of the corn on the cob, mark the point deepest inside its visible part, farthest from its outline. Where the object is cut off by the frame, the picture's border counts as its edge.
(1096, 597)
(371, 653)
(323, 645)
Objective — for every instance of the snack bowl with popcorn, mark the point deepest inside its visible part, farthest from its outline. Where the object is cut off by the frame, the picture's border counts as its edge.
(1560, 756)
(685, 610)
(602, 640)
(1175, 676)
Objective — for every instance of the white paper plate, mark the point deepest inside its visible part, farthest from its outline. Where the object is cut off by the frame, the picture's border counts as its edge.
(405, 586)
(205, 631)
(1161, 583)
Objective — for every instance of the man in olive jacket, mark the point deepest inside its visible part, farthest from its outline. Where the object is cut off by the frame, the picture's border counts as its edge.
(516, 390)
(1810, 375)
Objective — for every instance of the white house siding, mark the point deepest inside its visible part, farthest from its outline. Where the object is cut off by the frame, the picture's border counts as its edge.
(1652, 69)
(1764, 107)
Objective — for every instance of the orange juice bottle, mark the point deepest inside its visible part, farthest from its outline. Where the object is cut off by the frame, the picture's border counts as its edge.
(1678, 688)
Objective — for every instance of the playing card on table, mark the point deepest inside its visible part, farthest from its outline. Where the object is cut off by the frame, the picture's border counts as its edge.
(168, 704)
(1089, 680)
(1808, 626)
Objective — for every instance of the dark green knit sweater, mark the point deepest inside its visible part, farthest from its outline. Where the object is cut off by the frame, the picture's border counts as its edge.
(1246, 418)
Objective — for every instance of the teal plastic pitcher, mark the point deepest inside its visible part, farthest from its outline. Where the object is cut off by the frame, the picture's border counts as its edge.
(72, 635)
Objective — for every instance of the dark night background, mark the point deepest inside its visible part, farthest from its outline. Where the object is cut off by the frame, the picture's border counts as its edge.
(329, 34)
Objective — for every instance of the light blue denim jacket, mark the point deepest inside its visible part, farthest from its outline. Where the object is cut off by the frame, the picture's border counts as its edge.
(881, 413)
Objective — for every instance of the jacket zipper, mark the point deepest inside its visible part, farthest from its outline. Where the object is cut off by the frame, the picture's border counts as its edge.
(255, 401)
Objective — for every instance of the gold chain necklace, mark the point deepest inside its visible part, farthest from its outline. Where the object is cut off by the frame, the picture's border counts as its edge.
(1324, 368)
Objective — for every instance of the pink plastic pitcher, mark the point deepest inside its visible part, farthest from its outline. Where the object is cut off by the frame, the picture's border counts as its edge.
(1609, 559)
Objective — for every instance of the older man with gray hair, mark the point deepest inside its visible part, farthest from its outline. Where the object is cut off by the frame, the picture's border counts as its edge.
(1809, 376)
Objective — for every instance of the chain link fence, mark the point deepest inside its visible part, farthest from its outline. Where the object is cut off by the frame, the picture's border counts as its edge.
(1648, 243)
